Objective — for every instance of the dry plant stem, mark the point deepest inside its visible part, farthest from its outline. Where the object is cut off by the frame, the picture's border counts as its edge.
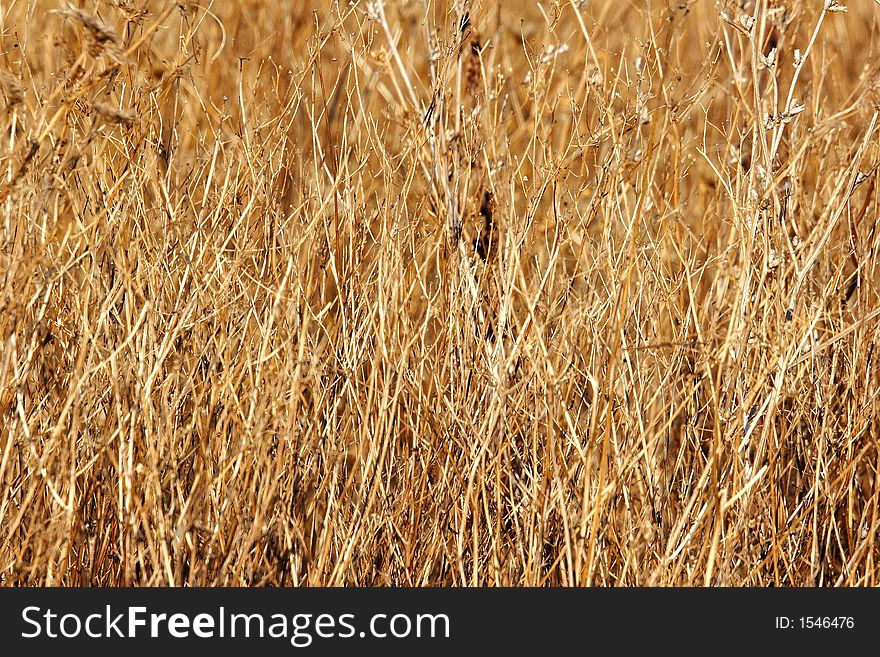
(799, 66)
(441, 293)
(842, 192)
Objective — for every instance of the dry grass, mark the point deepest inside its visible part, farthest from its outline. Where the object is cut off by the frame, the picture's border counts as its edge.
(432, 292)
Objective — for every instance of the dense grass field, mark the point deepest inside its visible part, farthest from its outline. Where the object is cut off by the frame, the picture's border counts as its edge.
(439, 292)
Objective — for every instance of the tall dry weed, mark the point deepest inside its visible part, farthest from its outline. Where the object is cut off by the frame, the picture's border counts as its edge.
(448, 293)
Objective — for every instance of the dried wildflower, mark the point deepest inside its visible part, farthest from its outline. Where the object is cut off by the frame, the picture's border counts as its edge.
(375, 10)
(769, 61)
(794, 109)
(111, 114)
(131, 14)
(553, 52)
(594, 76)
(832, 6)
(13, 90)
(743, 23)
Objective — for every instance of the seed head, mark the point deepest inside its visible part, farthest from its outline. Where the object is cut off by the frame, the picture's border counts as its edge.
(111, 114)
(99, 34)
(13, 90)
